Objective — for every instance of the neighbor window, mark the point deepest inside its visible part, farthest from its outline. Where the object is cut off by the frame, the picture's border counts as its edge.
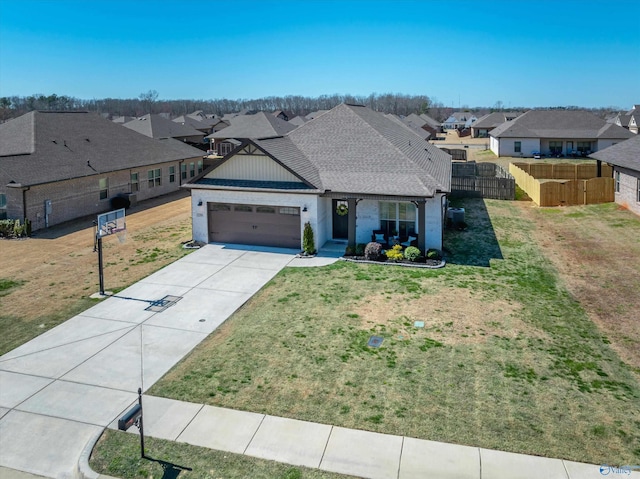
(200, 166)
(224, 148)
(3, 206)
(555, 147)
(135, 185)
(192, 170)
(584, 147)
(103, 186)
(398, 218)
(172, 174)
(155, 177)
(517, 146)
(637, 192)
(617, 180)
(183, 171)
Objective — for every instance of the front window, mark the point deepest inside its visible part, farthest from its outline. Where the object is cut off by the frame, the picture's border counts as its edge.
(517, 146)
(154, 177)
(398, 219)
(617, 180)
(555, 147)
(135, 185)
(103, 186)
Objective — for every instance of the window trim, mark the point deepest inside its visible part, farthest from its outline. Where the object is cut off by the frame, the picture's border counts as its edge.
(135, 182)
(517, 147)
(616, 178)
(410, 226)
(172, 174)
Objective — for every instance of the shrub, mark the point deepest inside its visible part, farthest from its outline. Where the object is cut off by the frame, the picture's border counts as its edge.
(14, 228)
(412, 253)
(349, 251)
(434, 254)
(373, 251)
(308, 244)
(360, 249)
(395, 253)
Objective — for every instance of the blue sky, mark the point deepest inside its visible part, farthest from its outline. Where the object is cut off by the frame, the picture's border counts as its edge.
(519, 52)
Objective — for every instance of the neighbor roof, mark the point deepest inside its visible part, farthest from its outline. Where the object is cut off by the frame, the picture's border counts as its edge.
(260, 125)
(625, 154)
(495, 119)
(155, 126)
(418, 130)
(42, 147)
(355, 150)
(559, 124)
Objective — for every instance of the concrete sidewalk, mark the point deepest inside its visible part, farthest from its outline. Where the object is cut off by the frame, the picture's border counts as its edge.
(346, 451)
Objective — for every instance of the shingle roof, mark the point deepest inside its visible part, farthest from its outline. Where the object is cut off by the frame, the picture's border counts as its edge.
(155, 126)
(495, 119)
(625, 154)
(433, 123)
(559, 124)
(41, 147)
(260, 125)
(353, 149)
(424, 134)
(297, 121)
(193, 123)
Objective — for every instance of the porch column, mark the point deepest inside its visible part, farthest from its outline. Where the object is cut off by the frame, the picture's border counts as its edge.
(351, 225)
(422, 226)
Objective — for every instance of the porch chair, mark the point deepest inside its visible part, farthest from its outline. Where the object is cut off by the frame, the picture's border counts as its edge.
(409, 241)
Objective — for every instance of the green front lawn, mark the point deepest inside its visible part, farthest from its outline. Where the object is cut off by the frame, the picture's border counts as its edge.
(506, 359)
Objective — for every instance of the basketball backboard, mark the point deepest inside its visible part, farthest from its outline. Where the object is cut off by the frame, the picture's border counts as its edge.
(111, 223)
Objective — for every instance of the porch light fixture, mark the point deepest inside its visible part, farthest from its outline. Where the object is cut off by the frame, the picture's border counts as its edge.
(304, 209)
(200, 203)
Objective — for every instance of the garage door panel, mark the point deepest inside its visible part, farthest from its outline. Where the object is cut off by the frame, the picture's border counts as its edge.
(254, 225)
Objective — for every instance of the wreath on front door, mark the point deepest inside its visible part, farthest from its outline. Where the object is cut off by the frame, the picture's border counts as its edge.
(342, 209)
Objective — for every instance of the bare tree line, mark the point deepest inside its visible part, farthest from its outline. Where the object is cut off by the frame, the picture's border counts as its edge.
(293, 105)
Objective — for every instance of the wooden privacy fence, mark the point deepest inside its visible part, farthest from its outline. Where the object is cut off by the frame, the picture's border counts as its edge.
(563, 193)
(456, 154)
(565, 171)
(484, 180)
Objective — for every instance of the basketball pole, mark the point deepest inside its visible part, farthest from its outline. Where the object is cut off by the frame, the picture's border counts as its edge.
(100, 272)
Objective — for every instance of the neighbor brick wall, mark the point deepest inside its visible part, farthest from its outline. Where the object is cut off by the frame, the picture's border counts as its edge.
(628, 189)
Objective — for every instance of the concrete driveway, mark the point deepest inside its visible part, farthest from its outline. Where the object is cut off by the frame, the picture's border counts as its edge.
(58, 391)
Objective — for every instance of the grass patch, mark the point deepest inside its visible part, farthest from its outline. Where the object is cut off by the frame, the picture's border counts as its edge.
(507, 358)
(118, 455)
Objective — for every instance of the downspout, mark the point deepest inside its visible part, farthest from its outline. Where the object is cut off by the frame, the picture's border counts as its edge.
(24, 201)
(443, 219)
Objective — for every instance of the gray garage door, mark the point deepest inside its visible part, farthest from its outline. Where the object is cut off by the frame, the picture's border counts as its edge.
(254, 224)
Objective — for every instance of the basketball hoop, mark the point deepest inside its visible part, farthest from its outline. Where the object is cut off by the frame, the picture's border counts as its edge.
(122, 236)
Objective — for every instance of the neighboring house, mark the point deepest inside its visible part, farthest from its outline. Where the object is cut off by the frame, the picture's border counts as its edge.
(629, 120)
(459, 120)
(434, 125)
(205, 127)
(486, 123)
(59, 166)
(349, 172)
(297, 121)
(260, 125)
(416, 121)
(555, 133)
(155, 126)
(281, 114)
(123, 119)
(425, 135)
(625, 159)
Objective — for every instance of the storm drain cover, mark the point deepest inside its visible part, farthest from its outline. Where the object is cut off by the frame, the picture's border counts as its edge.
(375, 341)
(160, 305)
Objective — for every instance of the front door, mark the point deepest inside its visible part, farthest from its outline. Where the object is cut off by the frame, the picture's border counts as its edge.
(340, 219)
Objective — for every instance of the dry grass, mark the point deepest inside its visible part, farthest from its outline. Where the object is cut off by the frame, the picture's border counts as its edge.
(56, 270)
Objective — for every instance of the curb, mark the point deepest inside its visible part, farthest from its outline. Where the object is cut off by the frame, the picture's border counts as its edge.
(84, 470)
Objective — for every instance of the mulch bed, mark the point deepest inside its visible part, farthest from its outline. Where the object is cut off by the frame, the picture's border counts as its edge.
(424, 263)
